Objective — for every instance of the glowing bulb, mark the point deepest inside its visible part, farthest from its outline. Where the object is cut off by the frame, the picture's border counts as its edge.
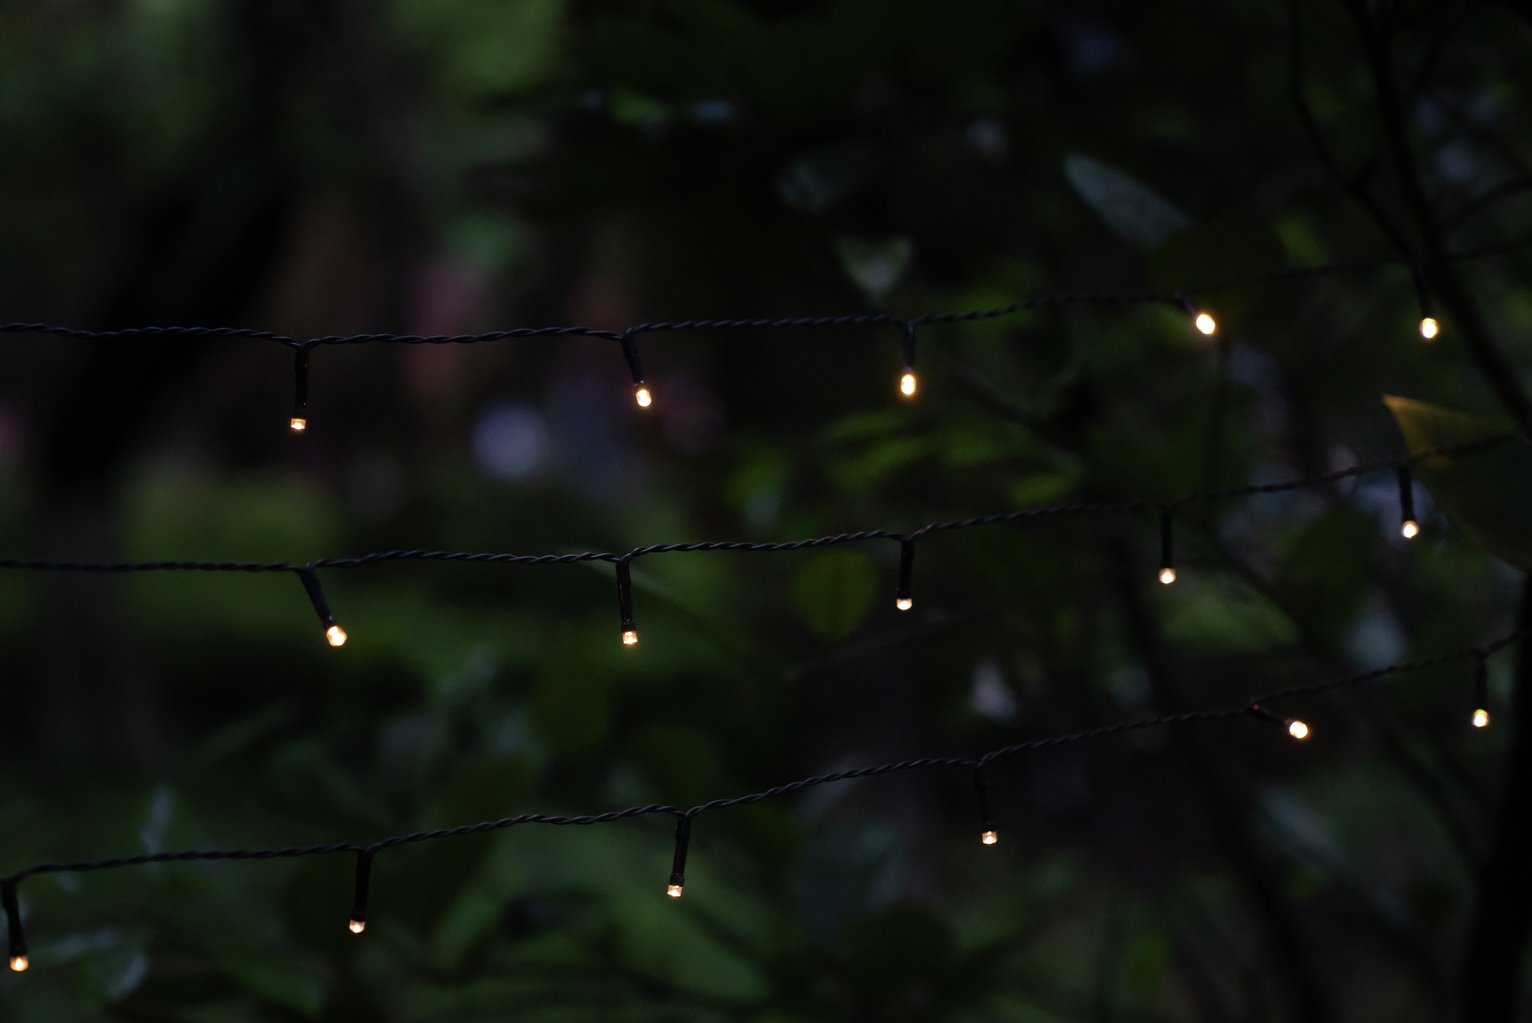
(642, 395)
(908, 384)
(989, 837)
(904, 603)
(19, 964)
(357, 926)
(1481, 718)
(1429, 328)
(630, 637)
(1206, 323)
(336, 635)
(1409, 529)
(1167, 575)
(673, 890)
(1298, 729)
(298, 424)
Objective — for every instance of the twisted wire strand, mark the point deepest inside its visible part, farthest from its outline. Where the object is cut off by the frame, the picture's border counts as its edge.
(857, 536)
(1178, 298)
(1207, 715)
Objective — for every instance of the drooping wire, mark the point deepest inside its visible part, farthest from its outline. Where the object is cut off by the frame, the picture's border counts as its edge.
(1256, 707)
(336, 635)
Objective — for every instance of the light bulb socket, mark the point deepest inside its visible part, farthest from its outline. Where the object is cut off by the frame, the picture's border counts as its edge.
(17, 937)
(625, 603)
(987, 833)
(310, 580)
(630, 353)
(359, 891)
(904, 596)
(1407, 504)
(300, 389)
(1167, 547)
(1481, 686)
(907, 345)
(678, 863)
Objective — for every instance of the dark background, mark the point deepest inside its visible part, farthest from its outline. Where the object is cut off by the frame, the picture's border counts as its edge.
(459, 165)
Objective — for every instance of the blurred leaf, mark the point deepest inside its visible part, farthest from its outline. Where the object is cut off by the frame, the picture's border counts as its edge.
(834, 591)
(1485, 493)
(1325, 573)
(875, 265)
(1134, 211)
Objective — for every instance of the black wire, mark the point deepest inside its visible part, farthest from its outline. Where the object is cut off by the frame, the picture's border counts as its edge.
(305, 569)
(1100, 298)
(1249, 708)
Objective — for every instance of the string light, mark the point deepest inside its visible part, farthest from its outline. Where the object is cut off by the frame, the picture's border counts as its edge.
(1409, 528)
(1297, 728)
(642, 396)
(1429, 328)
(1480, 691)
(333, 633)
(299, 421)
(987, 833)
(625, 604)
(1167, 548)
(19, 962)
(1206, 324)
(678, 866)
(904, 597)
(674, 887)
(358, 922)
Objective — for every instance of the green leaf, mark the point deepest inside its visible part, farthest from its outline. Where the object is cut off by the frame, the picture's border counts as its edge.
(1485, 493)
(1134, 211)
(875, 265)
(835, 590)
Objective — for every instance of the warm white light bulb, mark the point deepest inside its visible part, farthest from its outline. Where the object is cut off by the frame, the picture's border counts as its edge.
(1167, 575)
(297, 424)
(904, 603)
(642, 395)
(356, 926)
(989, 837)
(1409, 529)
(630, 637)
(19, 964)
(673, 890)
(1481, 718)
(336, 635)
(1298, 729)
(1206, 324)
(1429, 328)
(908, 384)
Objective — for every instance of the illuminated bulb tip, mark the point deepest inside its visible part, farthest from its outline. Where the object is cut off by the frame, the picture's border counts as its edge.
(1167, 575)
(642, 395)
(1429, 328)
(336, 635)
(298, 424)
(1298, 729)
(989, 837)
(1409, 529)
(673, 890)
(630, 637)
(1481, 718)
(904, 603)
(908, 385)
(19, 964)
(356, 926)
(1206, 324)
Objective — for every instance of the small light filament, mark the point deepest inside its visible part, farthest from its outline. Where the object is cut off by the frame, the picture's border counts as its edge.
(19, 964)
(904, 603)
(673, 890)
(642, 395)
(1409, 529)
(336, 635)
(1206, 324)
(1167, 575)
(908, 384)
(1429, 328)
(1481, 718)
(989, 837)
(1298, 729)
(357, 926)
(298, 424)
(630, 637)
